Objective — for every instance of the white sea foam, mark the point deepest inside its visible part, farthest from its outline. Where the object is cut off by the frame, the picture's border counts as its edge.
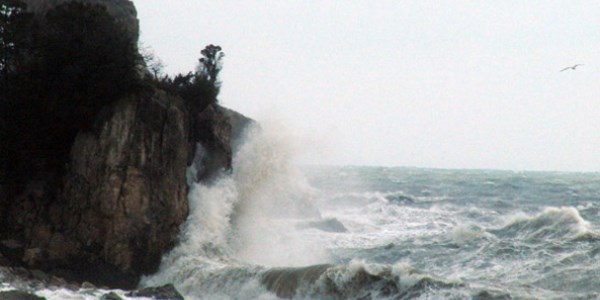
(469, 233)
(551, 223)
(241, 222)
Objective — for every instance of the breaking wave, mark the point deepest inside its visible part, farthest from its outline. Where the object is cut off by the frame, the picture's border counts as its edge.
(552, 223)
(263, 232)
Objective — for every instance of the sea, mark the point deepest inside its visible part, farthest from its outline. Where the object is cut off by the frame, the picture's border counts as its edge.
(273, 230)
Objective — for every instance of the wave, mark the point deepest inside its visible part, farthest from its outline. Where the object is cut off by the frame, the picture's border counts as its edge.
(246, 238)
(397, 198)
(468, 234)
(356, 280)
(243, 223)
(553, 223)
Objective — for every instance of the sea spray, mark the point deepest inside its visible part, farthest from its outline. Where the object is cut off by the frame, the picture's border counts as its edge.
(274, 196)
(242, 222)
(411, 233)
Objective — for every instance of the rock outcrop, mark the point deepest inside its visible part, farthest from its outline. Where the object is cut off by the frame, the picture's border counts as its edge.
(166, 292)
(218, 132)
(115, 208)
(18, 295)
(119, 206)
(125, 189)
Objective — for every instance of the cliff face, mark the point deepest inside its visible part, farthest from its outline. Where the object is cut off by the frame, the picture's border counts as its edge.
(125, 189)
(112, 204)
(219, 131)
(119, 206)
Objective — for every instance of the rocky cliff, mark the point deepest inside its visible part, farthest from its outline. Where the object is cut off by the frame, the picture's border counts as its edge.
(115, 208)
(118, 208)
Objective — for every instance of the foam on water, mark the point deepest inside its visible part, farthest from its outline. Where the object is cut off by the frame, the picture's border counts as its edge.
(243, 223)
(264, 232)
(551, 223)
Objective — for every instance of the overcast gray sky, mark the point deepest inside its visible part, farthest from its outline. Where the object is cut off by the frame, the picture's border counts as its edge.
(444, 84)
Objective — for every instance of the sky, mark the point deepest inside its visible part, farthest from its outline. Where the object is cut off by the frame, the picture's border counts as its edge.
(435, 84)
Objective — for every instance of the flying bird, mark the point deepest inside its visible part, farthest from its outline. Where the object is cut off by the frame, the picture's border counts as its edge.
(572, 67)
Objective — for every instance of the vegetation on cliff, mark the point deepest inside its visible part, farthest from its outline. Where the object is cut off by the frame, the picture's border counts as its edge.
(200, 88)
(93, 151)
(58, 71)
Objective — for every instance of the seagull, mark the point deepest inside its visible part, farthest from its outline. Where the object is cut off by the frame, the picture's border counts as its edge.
(572, 67)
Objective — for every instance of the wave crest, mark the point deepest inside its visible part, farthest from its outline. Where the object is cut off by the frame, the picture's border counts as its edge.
(551, 223)
(356, 280)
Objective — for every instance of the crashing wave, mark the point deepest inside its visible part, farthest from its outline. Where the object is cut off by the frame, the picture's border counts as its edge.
(551, 223)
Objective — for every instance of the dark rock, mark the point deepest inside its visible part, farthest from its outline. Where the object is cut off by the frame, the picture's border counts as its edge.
(486, 295)
(400, 199)
(126, 189)
(72, 286)
(41, 276)
(33, 256)
(87, 285)
(121, 200)
(57, 281)
(114, 204)
(165, 292)
(111, 296)
(239, 126)
(20, 271)
(119, 205)
(18, 295)
(213, 129)
(219, 132)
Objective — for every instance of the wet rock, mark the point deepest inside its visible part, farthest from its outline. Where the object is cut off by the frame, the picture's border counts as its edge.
(39, 275)
(111, 296)
(165, 292)
(87, 285)
(18, 295)
(72, 286)
(400, 199)
(126, 189)
(57, 281)
(33, 256)
(219, 132)
(36, 285)
(19, 271)
(116, 207)
(486, 295)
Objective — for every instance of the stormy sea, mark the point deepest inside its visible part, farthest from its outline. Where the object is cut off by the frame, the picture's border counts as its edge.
(272, 230)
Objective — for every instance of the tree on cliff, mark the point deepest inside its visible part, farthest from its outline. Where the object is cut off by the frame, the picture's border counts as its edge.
(211, 64)
(201, 88)
(153, 63)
